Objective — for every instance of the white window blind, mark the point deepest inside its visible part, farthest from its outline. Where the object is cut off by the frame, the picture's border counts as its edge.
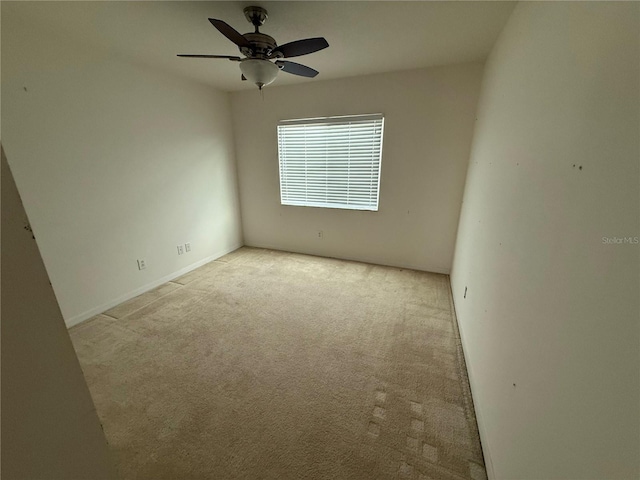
(331, 162)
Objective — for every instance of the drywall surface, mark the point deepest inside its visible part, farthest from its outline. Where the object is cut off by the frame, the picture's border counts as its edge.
(547, 248)
(429, 116)
(114, 162)
(50, 428)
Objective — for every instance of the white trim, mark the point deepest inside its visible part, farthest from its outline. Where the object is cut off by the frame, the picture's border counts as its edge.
(364, 259)
(70, 322)
(341, 118)
(488, 463)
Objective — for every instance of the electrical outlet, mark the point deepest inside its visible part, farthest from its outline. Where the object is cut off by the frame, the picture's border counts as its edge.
(320, 234)
(180, 249)
(187, 247)
(142, 264)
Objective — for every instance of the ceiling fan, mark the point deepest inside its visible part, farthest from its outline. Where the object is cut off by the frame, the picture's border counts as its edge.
(260, 49)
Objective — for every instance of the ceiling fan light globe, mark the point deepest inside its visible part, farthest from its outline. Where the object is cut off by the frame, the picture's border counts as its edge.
(258, 71)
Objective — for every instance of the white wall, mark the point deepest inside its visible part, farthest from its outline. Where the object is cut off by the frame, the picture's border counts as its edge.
(114, 162)
(551, 315)
(429, 116)
(50, 428)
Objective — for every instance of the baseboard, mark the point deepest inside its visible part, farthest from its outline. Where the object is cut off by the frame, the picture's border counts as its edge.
(372, 261)
(488, 464)
(75, 320)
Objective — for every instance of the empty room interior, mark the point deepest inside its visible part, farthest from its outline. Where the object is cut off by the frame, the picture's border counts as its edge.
(320, 240)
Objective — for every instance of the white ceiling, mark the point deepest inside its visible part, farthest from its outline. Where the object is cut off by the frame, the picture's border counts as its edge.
(364, 36)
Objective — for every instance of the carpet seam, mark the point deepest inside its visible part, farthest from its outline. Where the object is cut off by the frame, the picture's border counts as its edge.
(180, 286)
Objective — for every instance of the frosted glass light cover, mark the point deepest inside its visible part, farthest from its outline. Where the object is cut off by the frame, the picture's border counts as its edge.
(260, 72)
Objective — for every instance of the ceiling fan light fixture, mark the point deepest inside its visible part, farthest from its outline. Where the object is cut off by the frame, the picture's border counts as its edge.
(259, 71)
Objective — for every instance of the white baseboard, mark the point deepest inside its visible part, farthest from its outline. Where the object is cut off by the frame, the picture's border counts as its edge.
(488, 464)
(364, 259)
(75, 320)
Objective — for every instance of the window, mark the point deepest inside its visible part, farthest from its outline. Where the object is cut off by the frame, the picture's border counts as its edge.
(331, 162)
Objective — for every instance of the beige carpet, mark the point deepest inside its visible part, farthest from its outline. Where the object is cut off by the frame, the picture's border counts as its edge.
(271, 365)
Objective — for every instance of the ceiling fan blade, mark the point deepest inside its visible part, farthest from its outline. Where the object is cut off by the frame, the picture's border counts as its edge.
(296, 69)
(230, 32)
(232, 58)
(300, 47)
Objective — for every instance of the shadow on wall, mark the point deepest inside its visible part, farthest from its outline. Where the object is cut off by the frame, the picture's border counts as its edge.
(50, 428)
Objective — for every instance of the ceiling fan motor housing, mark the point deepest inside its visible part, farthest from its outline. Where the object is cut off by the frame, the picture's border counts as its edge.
(261, 45)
